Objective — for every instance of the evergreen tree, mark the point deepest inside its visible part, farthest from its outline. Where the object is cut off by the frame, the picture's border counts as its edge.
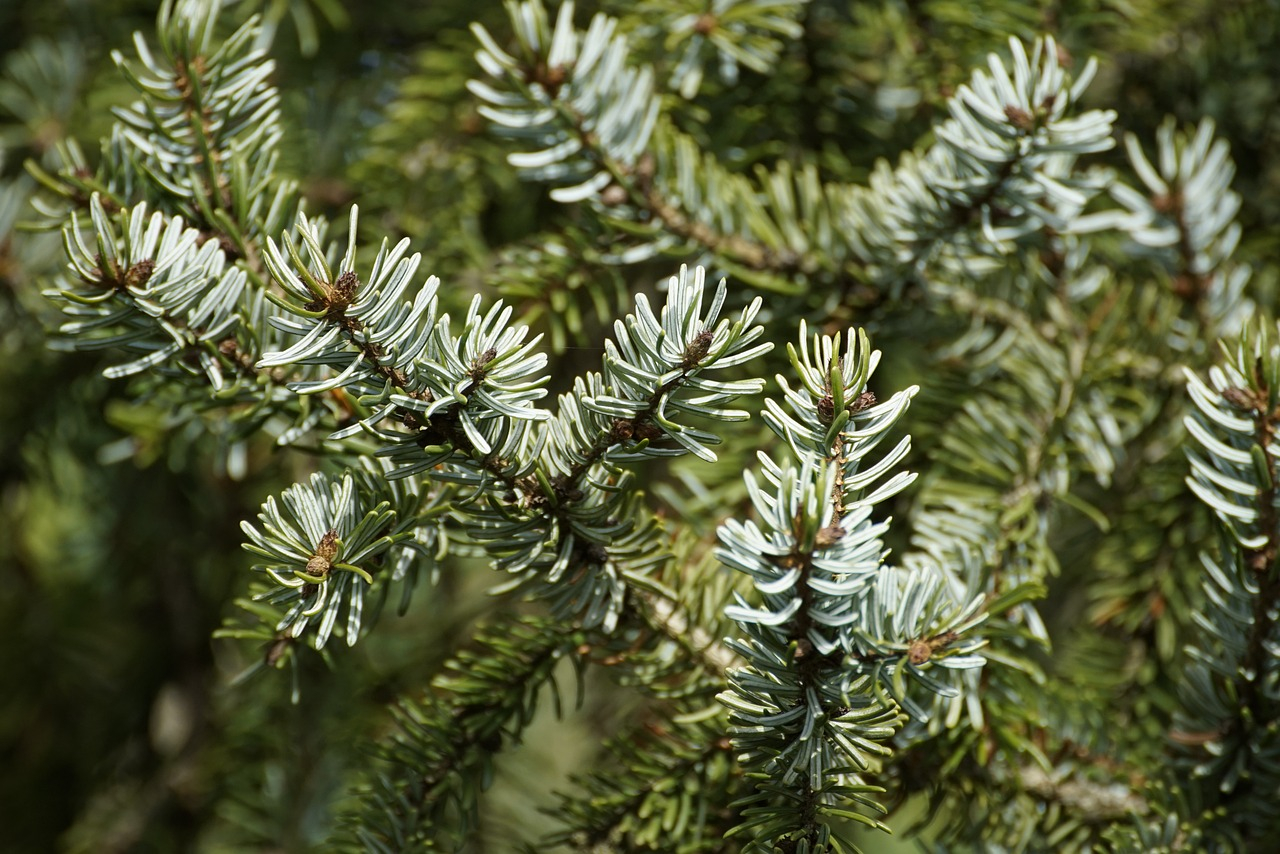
(749, 425)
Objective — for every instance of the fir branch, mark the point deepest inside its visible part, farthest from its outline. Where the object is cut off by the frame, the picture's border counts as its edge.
(566, 526)
(1187, 219)
(1224, 727)
(729, 33)
(990, 497)
(568, 89)
(423, 790)
(1002, 169)
(152, 289)
(474, 392)
(1099, 803)
(843, 671)
(209, 122)
(201, 141)
(664, 191)
(338, 538)
(686, 757)
(594, 546)
(828, 655)
(674, 623)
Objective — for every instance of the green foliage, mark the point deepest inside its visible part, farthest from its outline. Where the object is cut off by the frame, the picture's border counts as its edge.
(442, 753)
(1044, 621)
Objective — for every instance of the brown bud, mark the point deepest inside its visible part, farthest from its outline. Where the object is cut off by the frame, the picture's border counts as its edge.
(613, 195)
(328, 547)
(278, 648)
(1166, 203)
(826, 409)
(647, 430)
(139, 273)
(804, 649)
(479, 367)
(319, 563)
(554, 78)
(1241, 398)
(697, 349)
(1019, 118)
(829, 536)
(919, 652)
(344, 290)
(865, 401)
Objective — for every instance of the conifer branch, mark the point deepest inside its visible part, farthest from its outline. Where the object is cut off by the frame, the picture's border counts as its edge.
(848, 683)
(1187, 219)
(629, 811)
(1224, 691)
(152, 289)
(424, 789)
